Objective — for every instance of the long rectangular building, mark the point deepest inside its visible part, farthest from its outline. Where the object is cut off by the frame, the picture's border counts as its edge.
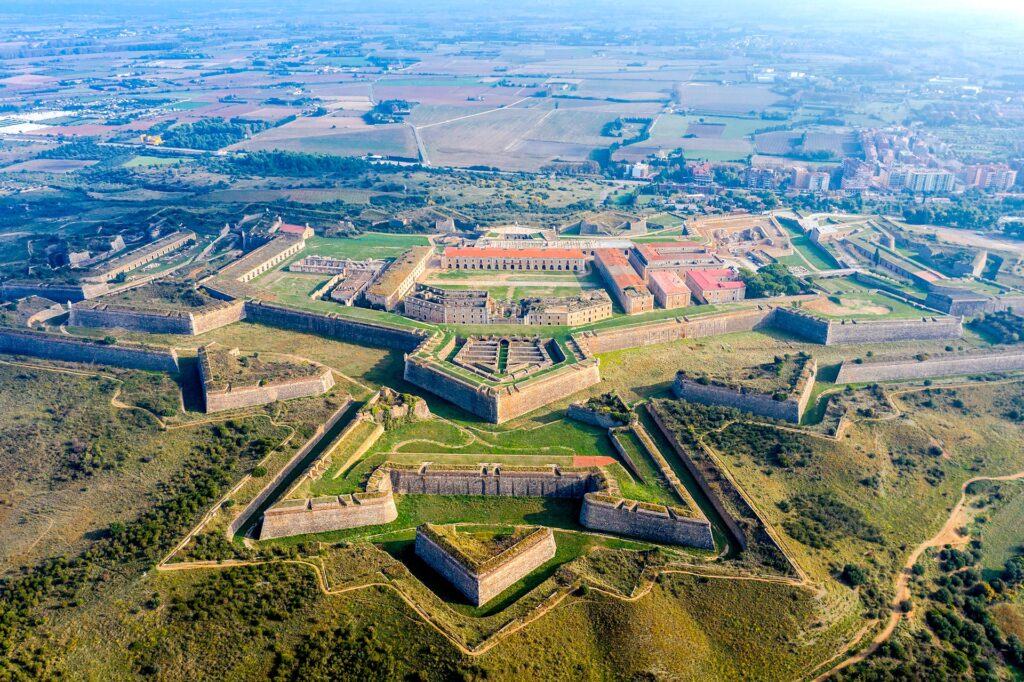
(646, 258)
(473, 258)
(624, 284)
(399, 278)
(143, 255)
(258, 261)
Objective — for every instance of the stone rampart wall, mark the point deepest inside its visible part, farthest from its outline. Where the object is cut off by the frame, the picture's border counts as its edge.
(323, 515)
(453, 571)
(249, 396)
(629, 518)
(791, 409)
(472, 398)
(755, 403)
(526, 397)
(334, 326)
(893, 370)
(218, 315)
(802, 325)
(885, 331)
(59, 293)
(672, 330)
(70, 349)
(476, 482)
(500, 404)
(239, 521)
(593, 417)
(698, 476)
(495, 581)
(156, 322)
(152, 322)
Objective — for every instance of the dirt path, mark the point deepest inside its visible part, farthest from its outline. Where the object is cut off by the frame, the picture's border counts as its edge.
(949, 534)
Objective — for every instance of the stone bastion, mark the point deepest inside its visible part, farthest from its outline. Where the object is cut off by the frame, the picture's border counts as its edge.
(156, 321)
(497, 402)
(482, 581)
(220, 395)
(788, 407)
(603, 508)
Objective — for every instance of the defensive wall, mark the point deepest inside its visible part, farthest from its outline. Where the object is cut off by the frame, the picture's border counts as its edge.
(334, 326)
(790, 409)
(786, 319)
(481, 583)
(61, 293)
(582, 413)
(110, 316)
(257, 502)
(375, 506)
(86, 351)
(1008, 360)
(674, 329)
(603, 507)
(498, 404)
(830, 332)
(232, 397)
(731, 524)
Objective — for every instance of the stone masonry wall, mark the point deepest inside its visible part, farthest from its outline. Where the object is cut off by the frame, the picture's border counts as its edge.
(70, 349)
(500, 404)
(217, 315)
(273, 484)
(730, 523)
(453, 571)
(249, 396)
(755, 403)
(800, 324)
(627, 517)
(672, 330)
(477, 481)
(790, 410)
(113, 317)
(892, 370)
(472, 398)
(321, 515)
(884, 331)
(520, 399)
(334, 326)
(62, 293)
(481, 588)
(593, 417)
(188, 322)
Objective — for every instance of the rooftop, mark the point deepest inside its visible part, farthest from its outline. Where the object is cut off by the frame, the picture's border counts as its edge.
(668, 281)
(715, 279)
(474, 252)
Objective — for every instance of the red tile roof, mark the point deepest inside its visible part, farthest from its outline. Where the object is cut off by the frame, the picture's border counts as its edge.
(668, 281)
(715, 279)
(292, 229)
(473, 252)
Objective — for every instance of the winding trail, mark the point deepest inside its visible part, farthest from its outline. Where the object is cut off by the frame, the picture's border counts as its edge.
(949, 534)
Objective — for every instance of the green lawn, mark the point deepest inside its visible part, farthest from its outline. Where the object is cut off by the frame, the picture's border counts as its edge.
(815, 255)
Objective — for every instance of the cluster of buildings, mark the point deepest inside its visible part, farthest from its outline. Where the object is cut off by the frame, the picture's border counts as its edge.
(349, 278)
(462, 306)
(636, 276)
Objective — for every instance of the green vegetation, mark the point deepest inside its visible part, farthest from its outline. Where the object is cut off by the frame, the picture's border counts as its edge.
(212, 133)
(771, 280)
